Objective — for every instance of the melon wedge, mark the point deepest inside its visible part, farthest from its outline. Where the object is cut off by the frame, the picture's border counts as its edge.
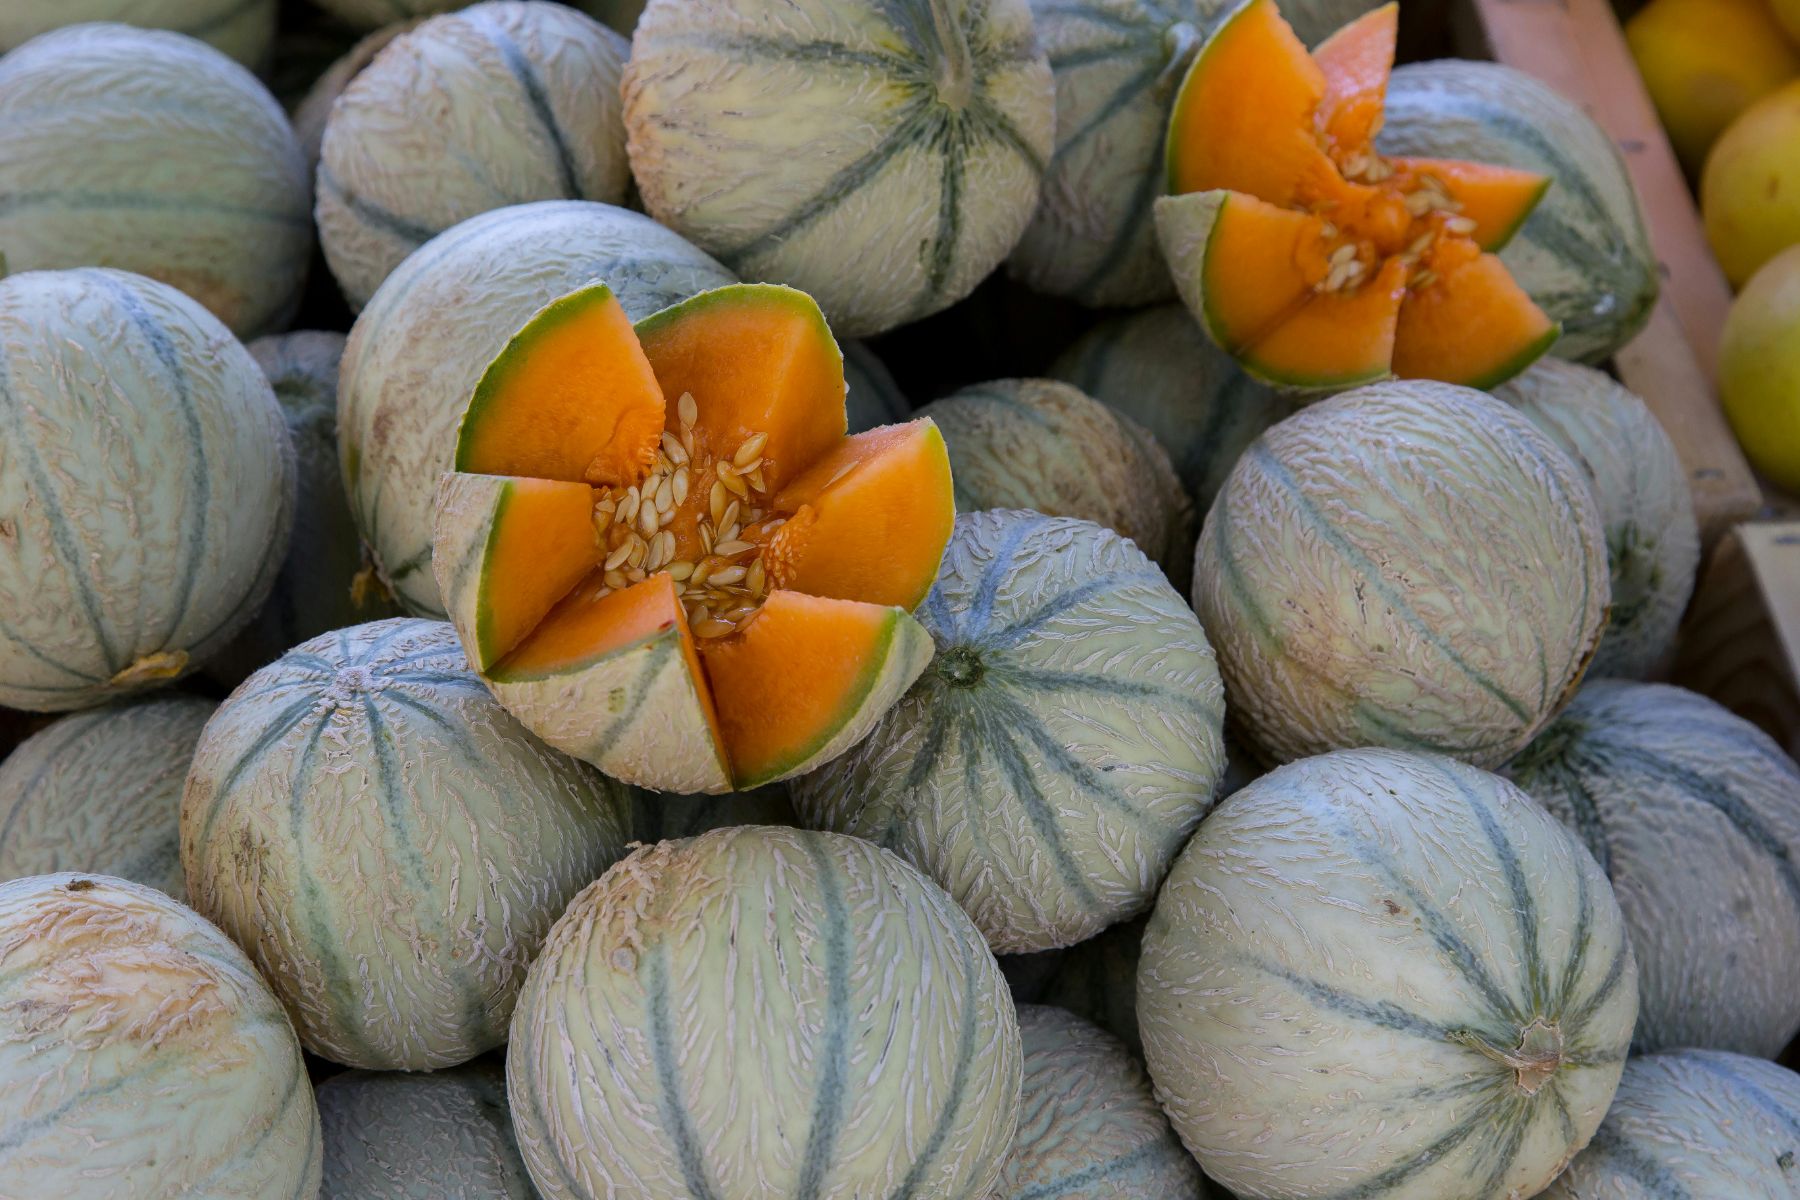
(1303, 252)
(664, 556)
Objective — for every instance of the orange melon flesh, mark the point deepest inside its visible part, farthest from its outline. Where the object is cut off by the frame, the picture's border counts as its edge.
(1473, 325)
(1261, 263)
(576, 401)
(543, 544)
(1497, 199)
(1356, 62)
(870, 519)
(781, 685)
(1337, 339)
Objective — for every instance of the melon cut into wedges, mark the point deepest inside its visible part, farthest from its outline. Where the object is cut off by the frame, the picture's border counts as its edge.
(665, 556)
(1316, 262)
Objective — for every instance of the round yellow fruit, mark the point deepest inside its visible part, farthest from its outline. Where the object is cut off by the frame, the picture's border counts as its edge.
(1787, 14)
(1750, 191)
(1705, 61)
(1759, 369)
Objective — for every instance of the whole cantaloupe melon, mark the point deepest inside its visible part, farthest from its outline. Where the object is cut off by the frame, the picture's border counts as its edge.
(143, 1055)
(882, 155)
(416, 839)
(420, 346)
(314, 107)
(1409, 564)
(152, 152)
(146, 486)
(762, 1011)
(244, 29)
(101, 791)
(523, 97)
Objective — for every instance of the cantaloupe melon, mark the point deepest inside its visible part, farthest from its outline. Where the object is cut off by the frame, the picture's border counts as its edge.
(1652, 537)
(763, 1011)
(244, 29)
(146, 486)
(1046, 446)
(1695, 815)
(323, 583)
(152, 152)
(1061, 746)
(415, 840)
(1387, 975)
(1411, 565)
(619, 15)
(1157, 368)
(1692, 1123)
(665, 816)
(314, 108)
(524, 104)
(419, 347)
(882, 156)
(100, 791)
(1089, 1128)
(446, 1135)
(873, 397)
(665, 556)
(143, 1055)
(1096, 980)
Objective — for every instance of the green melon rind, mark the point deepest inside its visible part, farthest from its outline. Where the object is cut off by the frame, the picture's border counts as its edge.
(469, 508)
(243, 29)
(731, 295)
(1174, 138)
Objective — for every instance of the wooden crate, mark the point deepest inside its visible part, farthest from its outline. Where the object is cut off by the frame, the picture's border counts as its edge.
(1741, 642)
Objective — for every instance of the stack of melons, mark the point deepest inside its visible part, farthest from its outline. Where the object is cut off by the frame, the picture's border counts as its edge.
(555, 717)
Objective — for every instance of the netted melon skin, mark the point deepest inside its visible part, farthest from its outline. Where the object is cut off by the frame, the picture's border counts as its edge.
(1062, 744)
(1695, 815)
(101, 791)
(146, 487)
(420, 346)
(243, 29)
(524, 104)
(142, 1054)
(151, 152)
(369, 824)
(762, 1011)
(1409, 564)
(313, 109)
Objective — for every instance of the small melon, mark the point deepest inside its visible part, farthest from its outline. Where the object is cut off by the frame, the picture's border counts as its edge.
(764, 1012)
(1759, 369)
(1062, 744)
(243, 29)
(146, 486)
(1096, 980)
(314, 108)
(101, 791)
(416, 841)
(1043, 445)
(1410, 564)
(882, 155)
(1694, 813)
(1749, 188)
(143, 1055)
(152, 152)
(1383, 974)
(1157, 368)
(442, 1136)
(666, 816)
(1652, 537)
(524, 97)
(873, 398)
(422, 342)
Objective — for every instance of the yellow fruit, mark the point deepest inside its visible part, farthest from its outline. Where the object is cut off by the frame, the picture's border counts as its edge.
(1705, 61)
(1750, 191)
(1759, 369)
(1787, 12)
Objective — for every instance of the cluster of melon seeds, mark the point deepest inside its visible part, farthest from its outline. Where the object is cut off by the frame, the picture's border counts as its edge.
(1349, 263)
(719, 573)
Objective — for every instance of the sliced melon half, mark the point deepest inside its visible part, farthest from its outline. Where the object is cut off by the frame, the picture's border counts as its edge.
(663, 554)
(1312, 259)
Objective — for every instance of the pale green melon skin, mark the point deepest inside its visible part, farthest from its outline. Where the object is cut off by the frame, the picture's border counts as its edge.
(1046, 446)
(796, 1013)
(419, 347)
(1695, 815)
(146, 487)
(1652, 537)
(666, 816)
(871, 398)
(195, 180)
(1159, 369)
(142, 1054)
(1089, 1129)
(416, 841)
(314, 108)
(1061, 747)
(1323, 952)
(1692, 1123)
(442, 1136)
(810, 143)
(101, 791)
(243, 29)
(524, 104)
(1408, 564)
(619, 15)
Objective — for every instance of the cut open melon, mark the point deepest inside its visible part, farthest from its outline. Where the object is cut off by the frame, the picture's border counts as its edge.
(663, 554)
(1303, 252)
